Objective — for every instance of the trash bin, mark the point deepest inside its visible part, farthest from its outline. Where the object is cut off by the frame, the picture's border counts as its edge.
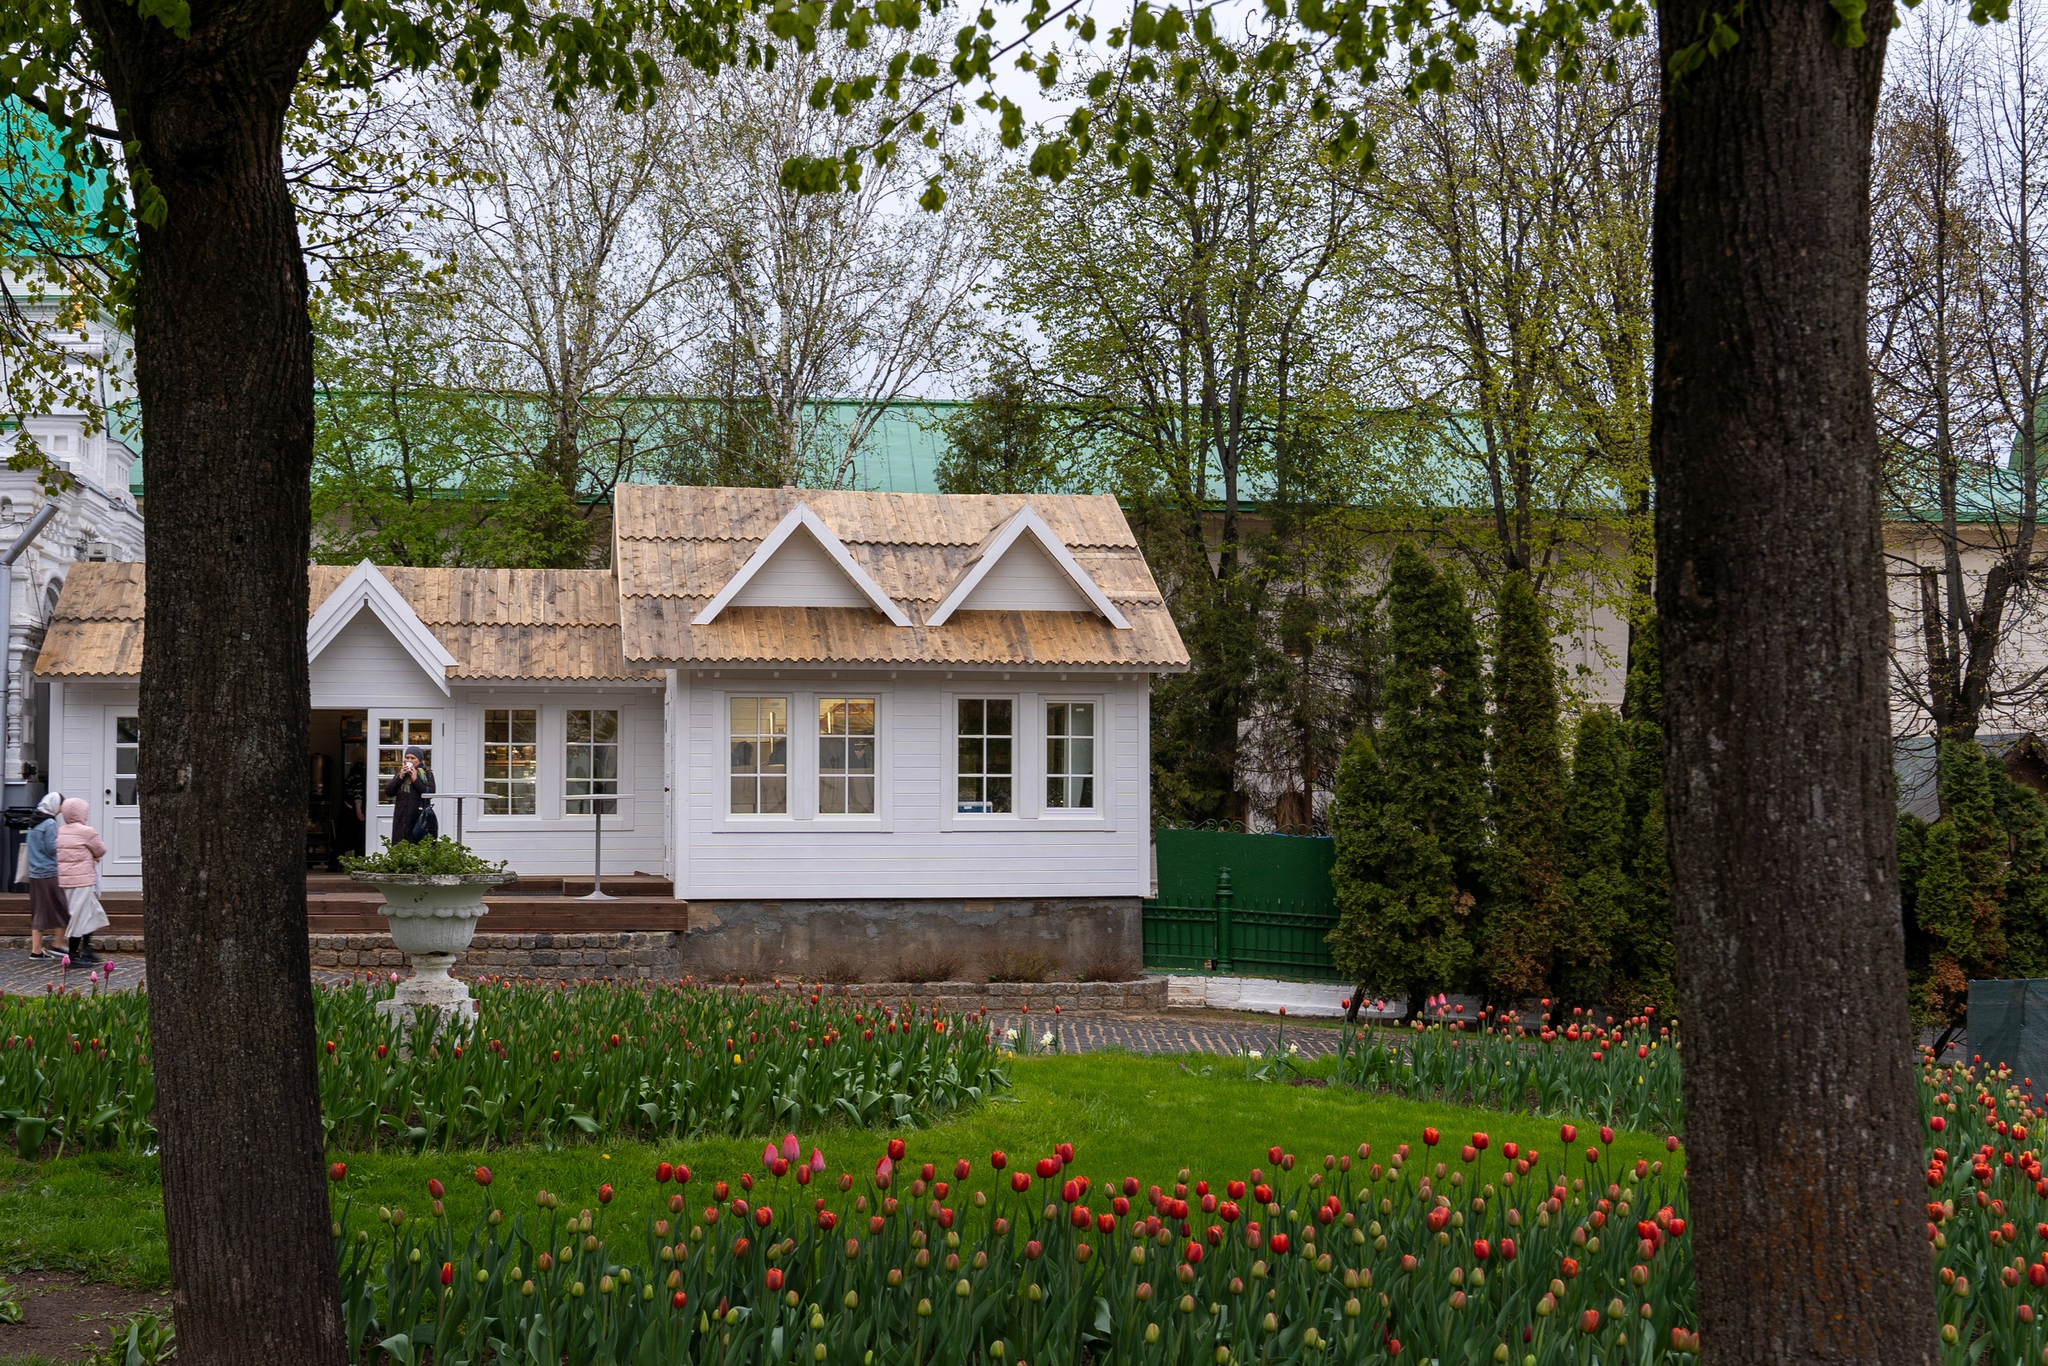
(19, 821)
(2009, 1024)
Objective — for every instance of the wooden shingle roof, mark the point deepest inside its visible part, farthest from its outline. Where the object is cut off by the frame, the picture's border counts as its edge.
(498, 623)
(674, 548)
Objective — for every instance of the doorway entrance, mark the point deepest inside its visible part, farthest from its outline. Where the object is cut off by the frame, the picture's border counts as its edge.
(337, 786)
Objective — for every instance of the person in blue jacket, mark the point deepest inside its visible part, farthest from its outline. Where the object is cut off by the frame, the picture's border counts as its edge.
(47, 910)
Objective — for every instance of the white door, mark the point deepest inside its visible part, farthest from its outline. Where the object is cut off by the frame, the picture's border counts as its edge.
(119, 817)
(390, 733)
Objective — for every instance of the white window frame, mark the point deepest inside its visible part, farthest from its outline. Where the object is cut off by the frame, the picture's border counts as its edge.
(1022, 746)
(540, 762)
(803, 757)
(1097, 817)
(551, 779)
(724, 817)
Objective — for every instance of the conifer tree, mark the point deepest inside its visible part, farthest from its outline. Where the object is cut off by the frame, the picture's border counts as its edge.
(2024, 817)
(1645, 961)
(1961, 889)
(1525, 907)
(1410, 809)
(1595, 819)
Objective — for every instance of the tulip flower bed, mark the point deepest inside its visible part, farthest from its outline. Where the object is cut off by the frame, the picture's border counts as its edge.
(1626, 1074)
(1987, 1211)
(540, 1065)
(1448, 1248)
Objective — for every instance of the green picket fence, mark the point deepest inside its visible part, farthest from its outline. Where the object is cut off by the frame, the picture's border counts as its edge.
(1256, 937)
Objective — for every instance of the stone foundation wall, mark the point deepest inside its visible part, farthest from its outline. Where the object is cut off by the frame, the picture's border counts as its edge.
(547, 957)
(937, 937)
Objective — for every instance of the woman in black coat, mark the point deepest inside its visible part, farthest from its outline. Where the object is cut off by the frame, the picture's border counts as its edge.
(408, 790)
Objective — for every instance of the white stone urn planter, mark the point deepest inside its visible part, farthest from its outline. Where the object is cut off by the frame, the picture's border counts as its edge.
(432, 917)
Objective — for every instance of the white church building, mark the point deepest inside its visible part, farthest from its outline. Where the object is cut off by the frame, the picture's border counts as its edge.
(825, 718)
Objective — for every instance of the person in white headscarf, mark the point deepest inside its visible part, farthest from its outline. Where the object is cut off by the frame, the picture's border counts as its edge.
(48, 911)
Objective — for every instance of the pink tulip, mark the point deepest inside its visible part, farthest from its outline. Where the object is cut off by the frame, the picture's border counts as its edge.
(884, 1167)
(817, 1160)
(790, 1149)
(768, 1155)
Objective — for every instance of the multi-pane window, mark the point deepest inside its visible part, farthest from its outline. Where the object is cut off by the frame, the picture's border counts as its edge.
(592, 762)
(1070, 756)
(394, 734)
(985, 735)
(511, 762)
(760, 755)
(127, 748)
(846, 756)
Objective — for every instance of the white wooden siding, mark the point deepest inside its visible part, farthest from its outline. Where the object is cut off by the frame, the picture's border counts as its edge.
(1025, 579)
(364, 667)
(800, 574)
(924, 851)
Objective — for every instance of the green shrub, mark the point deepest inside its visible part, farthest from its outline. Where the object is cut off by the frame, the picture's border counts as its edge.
(437, 857)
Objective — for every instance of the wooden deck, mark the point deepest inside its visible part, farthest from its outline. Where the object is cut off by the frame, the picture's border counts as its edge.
(335, 905)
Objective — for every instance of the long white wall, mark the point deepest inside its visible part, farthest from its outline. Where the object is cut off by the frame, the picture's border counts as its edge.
(916, 845)
(364, 669)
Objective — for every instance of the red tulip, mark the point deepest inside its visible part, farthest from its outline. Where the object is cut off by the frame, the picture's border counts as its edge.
(435, 1188)
(1606, 1135)
(1468, 1152)
(1194, 1252)
(1019, 1182)
(1273, 1155)
(1937, 1124)
(337, 1171)
(1066, 1151)
(483, 1176)
(1429, 1136)
(1481, 1249)
(1509, 1150)
(604, 1195)
(678, 1300)
(1033, 1250)
(1570, 1268)
(1280, 1244)
(961, 1169)
(926, 1173)
(447, 1273)
(1130, 1185)
(1228, 1212)
(999, 1159)
(896, 1150)
(330, 1048)
(774, 1279)
(1263, 1194)
(1480, 1141)
(1589, 1322)
(719, 1190)
(382, 1050)
(763, 1216)
(1236, 1190)
(1569, 1133)
(1507, 1249)
(664, 1172)
(1592, 1154)
(1048, 1168)
(615, 1041)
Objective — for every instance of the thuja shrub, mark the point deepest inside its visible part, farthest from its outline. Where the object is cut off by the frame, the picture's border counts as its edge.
(1450, 1250)
(1625, 1074)
(536, 1065)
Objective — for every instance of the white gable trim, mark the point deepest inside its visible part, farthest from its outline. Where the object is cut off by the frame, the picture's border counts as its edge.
(802, 516)
(366, 587)
(1026, 519)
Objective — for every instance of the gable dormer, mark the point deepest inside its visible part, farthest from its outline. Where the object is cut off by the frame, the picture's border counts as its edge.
(367, 590)
(1024, 567)
(802, 564)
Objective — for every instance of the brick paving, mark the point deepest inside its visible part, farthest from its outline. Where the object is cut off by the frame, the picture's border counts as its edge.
(21, 975)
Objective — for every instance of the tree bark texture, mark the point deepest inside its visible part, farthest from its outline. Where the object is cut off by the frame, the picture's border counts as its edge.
(225, 376)
(1801, 1114)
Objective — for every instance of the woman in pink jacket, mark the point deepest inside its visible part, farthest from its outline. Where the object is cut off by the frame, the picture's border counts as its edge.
(79, 850)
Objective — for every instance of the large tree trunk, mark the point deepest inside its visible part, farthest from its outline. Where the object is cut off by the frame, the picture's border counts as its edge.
(225, 375)
(1801, 1121)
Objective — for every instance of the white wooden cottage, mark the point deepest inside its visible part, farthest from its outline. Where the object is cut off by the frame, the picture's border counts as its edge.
(830, 719)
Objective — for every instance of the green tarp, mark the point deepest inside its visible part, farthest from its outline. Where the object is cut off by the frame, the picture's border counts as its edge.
(2009, 1024)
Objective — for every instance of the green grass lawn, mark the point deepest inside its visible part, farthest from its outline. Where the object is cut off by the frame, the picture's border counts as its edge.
(1125, 1115)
